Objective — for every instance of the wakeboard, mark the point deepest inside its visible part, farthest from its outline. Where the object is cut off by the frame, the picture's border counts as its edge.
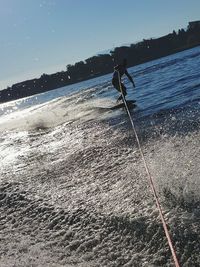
(130, 103)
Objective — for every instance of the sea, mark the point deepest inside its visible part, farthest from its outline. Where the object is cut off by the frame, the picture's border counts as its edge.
(73, 187)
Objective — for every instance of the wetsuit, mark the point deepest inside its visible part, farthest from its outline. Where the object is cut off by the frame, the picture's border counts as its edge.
(120, 70)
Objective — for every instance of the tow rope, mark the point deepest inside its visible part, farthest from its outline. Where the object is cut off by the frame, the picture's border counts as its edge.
(167, 234)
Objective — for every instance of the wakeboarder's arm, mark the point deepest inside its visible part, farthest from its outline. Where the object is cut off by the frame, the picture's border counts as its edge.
(130, 78)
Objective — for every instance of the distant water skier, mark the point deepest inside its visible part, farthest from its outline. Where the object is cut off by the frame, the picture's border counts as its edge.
(119, 71)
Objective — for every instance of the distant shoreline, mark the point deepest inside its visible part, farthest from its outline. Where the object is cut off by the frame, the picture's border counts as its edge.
(99, 65)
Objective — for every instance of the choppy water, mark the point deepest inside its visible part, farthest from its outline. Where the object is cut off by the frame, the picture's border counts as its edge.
(73, 187)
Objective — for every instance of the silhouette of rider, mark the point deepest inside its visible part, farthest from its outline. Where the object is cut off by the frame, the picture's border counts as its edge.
(119, 71)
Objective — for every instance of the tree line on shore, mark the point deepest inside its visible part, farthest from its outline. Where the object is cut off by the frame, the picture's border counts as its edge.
(141, 52)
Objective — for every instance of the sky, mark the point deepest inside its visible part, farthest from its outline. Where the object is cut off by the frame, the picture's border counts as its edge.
(44, 36)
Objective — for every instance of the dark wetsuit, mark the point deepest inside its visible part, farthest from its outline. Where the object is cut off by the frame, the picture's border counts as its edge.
(120, 70)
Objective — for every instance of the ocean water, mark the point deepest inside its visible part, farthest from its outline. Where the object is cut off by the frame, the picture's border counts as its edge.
(73, 188)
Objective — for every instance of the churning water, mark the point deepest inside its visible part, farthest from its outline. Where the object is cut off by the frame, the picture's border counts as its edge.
(73, 188)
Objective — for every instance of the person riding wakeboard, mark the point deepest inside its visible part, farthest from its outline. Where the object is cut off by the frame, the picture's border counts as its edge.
(119, 71)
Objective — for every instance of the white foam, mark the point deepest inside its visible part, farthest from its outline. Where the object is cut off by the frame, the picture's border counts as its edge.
(56, 112)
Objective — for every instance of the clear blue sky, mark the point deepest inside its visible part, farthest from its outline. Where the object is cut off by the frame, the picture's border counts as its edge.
(43, 36)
